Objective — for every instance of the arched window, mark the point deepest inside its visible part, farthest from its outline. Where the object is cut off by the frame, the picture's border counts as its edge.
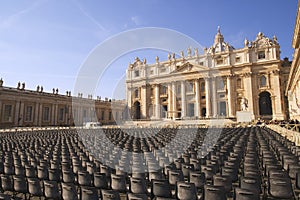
(263, 81)
(239, 83)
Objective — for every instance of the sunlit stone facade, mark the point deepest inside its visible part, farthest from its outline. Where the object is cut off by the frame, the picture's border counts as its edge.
(293, 86)
(215, 84)
(21, 107)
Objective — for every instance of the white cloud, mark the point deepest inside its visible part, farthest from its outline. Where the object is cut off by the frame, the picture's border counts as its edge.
(136, 20)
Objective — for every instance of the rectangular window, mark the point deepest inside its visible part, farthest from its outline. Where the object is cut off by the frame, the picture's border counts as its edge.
(136, 73)
(202, 97)
(237, 59)
(163, 70)
(189, 86)
(7, 113)
(28, 114)
(46, 114)
(61, 114)
(109, 116)
(201, 63)
(261, 55)
(219, 61)
(136, 93)
(178, 89)
(222, 95)
(102, 115)
(151, 72)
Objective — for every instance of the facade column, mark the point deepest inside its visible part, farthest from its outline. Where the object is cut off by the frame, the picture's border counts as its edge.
(17, 113)
(56, 114)
(277, 107)
(21, 114)
(207, 97)
(129, 99)
(170, 107)
(197, 99)
(183, 101)
(174, 100)
(144, 107)
(249, 92)
(36, 114)
(40, 115)
(157, 103)
(214, 98)
(229, 96)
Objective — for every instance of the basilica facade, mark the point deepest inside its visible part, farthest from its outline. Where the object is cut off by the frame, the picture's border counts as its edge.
(217, 83)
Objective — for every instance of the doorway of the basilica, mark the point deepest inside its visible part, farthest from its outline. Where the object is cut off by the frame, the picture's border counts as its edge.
(265, 104)
(137, 110)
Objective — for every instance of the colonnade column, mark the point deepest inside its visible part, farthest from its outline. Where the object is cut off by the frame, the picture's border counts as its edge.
(17, 115)
(36, 114)
(40, 115)
(183, 102)
(174, 101)
(207, 97)
(157, 104)
(229, 96)
(214, 97)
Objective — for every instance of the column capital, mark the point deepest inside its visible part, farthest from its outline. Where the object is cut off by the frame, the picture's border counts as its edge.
(230, 75)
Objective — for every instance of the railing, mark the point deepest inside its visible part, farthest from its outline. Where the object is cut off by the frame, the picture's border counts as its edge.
(292, 135)
(292, 127)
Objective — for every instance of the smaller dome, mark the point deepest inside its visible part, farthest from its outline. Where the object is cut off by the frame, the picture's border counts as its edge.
(219, 44)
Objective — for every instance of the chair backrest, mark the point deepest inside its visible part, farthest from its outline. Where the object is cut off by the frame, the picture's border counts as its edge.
(118, 182)
(100, 180)
(110, 195)
(132, 196)
(69, 191)
(137, 185)
(198, 178)
(244, 194)
(84, 178)
(281, 188)
(252, 184)
(160, 188)
(34, 187)
(214, 192)
(51, 189)
(225, 181)
(89, 193)
(186, 191)
(175, 176)
(7, 182)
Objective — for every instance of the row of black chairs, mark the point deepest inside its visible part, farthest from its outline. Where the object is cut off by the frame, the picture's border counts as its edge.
(168, 163)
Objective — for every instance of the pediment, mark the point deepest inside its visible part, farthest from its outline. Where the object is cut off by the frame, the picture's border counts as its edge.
(189, 67)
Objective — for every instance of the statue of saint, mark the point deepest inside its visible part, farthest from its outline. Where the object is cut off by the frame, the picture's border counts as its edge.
(19, 85)
(196, 52)
(246, 43)
(244, 104)
(169, 56)
(189, 52)
(182, 54)
(173, 56)
(157, 59)
(275, 39)
(145, 61)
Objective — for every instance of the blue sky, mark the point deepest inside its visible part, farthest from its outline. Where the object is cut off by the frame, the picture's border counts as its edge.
(45, 42)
